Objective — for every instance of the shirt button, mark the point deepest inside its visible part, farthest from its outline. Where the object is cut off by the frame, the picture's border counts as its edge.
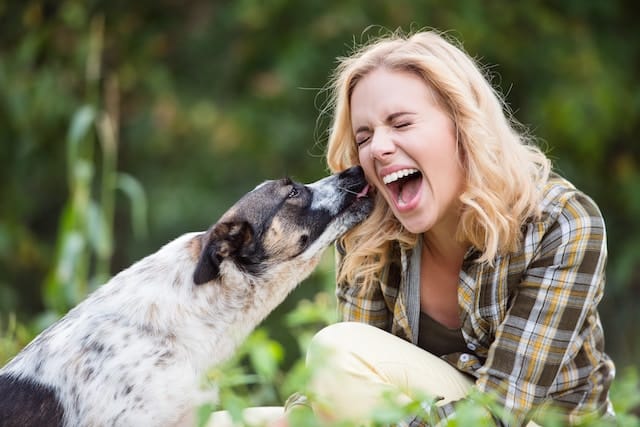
(471, 346)
(464, 358)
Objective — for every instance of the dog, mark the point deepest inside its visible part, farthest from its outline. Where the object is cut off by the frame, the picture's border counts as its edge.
(135, 351)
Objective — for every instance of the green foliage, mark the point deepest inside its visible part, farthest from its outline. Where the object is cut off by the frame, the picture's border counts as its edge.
(626, 397)
(244, 382)
(205, 100)
(85, 235)
(201, 101)
(13, 337)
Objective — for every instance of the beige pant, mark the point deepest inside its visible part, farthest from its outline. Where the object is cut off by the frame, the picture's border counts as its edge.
(355, 364)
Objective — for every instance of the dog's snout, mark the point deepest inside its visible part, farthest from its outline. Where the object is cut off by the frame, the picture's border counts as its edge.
(353, 179)
(353, 173)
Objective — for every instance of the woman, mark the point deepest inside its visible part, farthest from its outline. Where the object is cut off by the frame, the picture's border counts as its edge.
(479, 271)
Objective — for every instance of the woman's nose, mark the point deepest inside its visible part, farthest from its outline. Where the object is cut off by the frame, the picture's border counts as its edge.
(382, 145)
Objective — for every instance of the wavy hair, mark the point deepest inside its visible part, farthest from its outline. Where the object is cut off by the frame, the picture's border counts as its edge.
(505, 170)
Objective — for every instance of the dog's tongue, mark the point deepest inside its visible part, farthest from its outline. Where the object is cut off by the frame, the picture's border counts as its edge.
(363, 193)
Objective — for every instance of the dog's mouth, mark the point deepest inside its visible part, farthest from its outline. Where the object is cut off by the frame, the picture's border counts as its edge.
(357, 192)
(358, 200)
(354, 183)
(364, 192)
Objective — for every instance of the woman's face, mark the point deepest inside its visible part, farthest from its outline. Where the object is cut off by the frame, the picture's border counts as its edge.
(407, 148)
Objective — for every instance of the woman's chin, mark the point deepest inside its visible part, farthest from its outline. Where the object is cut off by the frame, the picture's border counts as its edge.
(415, 220)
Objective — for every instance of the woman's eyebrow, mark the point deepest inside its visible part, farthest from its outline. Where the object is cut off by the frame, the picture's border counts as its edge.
(390, 118)
(393, 116)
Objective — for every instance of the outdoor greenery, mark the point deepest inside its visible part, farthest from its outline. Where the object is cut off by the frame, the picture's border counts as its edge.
(126, 124)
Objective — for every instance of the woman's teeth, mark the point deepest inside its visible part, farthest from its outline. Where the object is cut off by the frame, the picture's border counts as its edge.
(394, 176)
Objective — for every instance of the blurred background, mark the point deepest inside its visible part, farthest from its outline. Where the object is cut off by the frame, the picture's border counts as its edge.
(125, 124)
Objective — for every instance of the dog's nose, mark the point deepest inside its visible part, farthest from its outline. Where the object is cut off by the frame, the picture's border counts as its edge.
(353, 180)
(354, 172)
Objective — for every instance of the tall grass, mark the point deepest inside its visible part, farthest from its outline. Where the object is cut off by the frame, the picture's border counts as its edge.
(85, 243)
(85, 237)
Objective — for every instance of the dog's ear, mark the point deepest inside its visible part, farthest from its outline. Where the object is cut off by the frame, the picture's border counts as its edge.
(224, 240)
(208, 267)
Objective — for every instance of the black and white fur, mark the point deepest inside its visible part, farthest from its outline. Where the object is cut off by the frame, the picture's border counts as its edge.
(134, 352)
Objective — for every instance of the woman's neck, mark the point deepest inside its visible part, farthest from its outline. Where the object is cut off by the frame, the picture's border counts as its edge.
(443, 247)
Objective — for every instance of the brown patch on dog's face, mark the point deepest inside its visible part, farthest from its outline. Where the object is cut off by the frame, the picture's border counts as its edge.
(285, 239)
(280, 220)
(195, 247)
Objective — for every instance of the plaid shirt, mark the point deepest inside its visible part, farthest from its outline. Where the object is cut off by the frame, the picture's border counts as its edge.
(530, 321)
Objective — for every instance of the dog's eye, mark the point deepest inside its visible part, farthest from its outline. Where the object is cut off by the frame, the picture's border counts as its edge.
(293, 193)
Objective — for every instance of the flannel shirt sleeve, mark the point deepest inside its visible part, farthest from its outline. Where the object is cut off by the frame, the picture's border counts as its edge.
(550, 310)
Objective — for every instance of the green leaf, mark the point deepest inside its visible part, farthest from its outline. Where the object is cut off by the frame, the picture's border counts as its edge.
(97, 231)
(134, 191)
(625, 391)
(203, 413)
(265, 354)
(81, 122)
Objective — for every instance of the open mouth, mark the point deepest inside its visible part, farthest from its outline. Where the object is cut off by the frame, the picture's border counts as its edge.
(404, 185)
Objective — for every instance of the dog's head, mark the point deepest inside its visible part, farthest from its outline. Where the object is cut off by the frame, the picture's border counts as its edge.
(283, 220)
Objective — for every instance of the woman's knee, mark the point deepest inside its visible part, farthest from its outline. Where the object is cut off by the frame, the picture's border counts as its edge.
(326, 343)
(338, 339)
(341, 336)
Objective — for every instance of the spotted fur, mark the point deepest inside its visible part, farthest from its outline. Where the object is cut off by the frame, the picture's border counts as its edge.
(134, 352)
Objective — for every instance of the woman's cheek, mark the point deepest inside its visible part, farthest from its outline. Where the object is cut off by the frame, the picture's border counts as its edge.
(366, 162)
(369, 171)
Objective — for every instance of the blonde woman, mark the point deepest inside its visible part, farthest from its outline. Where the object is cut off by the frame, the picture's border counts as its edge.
(479, 269)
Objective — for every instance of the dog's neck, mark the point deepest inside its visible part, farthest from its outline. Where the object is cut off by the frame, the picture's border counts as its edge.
(204, 322)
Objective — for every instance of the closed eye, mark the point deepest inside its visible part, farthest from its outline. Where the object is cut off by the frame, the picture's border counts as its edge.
(361, 141)
(362, 135)
(402, 125)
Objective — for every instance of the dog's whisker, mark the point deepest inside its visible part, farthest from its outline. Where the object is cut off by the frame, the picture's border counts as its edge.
(362, 193)
(347, 190)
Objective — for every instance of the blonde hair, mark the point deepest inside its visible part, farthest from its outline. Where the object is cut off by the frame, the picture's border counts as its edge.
(504, 170)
